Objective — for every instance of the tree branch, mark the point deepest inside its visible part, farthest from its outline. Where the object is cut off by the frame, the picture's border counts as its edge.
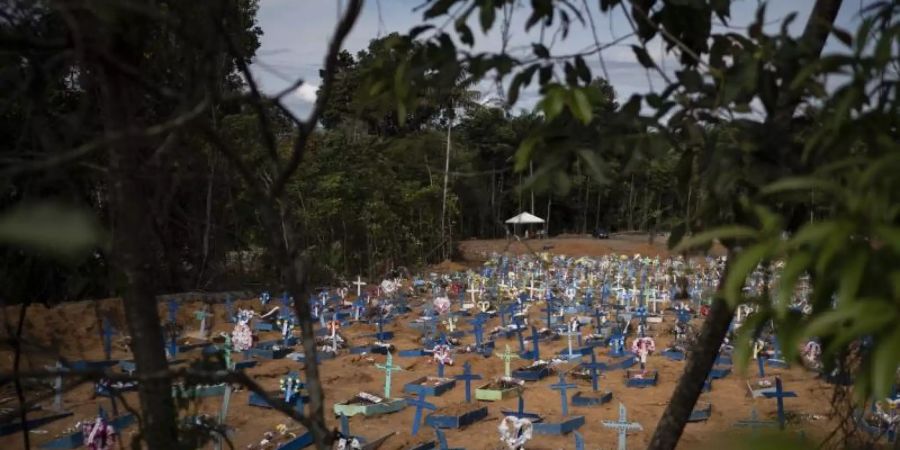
(306, 129)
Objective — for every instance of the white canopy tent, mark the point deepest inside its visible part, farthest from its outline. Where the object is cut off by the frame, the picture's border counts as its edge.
(524, 219)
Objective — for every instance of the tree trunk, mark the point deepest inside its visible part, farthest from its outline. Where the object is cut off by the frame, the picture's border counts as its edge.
(671, 424)
(132, 248)
(584, 212)
(294, 276)
(493, 201)
(446, 251)
(631, 204)
(207, 223)
(547, 223)
(700, 361)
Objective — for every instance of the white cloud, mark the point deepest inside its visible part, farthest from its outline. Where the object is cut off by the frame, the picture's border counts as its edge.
(307, 92)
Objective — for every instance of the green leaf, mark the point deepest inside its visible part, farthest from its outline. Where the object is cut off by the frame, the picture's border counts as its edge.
(584, 73)
(829, 321)
(643, 57)
(843, 36)
(744, 263)
(553, 102)
(722, 9)
(417, 30)
(851, 275)
(465, 33)
(525, 150)
(439, 8)
(889, 235)
(487, 15)
(521, 79)
(707, 237)
(812, 233)
(540, 51)
(794, 267)
(884, 364)
(581, 106)
(545, 74)
(800, 184)
(691, 79)
(58, 230)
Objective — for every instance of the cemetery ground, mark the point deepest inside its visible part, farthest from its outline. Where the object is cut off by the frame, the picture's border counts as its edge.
(73, 329)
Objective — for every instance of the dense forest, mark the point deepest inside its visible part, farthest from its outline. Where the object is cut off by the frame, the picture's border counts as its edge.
(368, 196)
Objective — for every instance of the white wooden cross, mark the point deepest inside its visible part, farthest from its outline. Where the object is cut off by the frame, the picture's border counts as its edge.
(451, 323)
(654, 301)
(472, 290)
(359, 284)
(572, 332)
(622, 426)
(533, 289)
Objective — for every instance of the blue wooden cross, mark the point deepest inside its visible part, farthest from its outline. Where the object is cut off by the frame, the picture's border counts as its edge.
(229, 308)
(521, 339)
(285, 306)
(477, 325)
(521, 406)
(780, 395)
(579, 441)
(173, 345)
(345, 426)
(594, 367)
(173, 310)
(617, 346)
(440, 369)
(420, 404)
(381, 336)
(598, 315)
(467, 377)
(641, 313)
(753, 423)
(562, 387)
(358, 306)
(549, 311)
(442, 440)
(108, 331)
(264, 298)
(535, 344)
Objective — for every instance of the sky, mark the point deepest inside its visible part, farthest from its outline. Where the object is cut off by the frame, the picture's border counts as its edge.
(296, 34)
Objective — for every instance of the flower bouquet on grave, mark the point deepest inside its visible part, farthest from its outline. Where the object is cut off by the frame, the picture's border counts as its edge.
(515, 432)
(241, 335)
(105, 387)
(99, 434)
(275, 438)
(883, 420)
(812, 356)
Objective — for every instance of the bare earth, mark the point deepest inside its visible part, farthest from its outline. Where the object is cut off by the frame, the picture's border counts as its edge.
(74, 331)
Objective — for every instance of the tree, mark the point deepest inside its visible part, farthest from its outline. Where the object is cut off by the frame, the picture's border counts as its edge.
(721, 75)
